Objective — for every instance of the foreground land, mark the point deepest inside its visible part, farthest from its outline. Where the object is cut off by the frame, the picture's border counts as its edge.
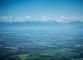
(41, 46)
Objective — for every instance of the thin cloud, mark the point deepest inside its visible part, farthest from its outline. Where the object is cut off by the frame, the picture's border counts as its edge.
(10, 17)
(3, 17)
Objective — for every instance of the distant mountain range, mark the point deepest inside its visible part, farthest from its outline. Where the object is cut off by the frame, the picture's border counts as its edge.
(41, 26)
(39, 23)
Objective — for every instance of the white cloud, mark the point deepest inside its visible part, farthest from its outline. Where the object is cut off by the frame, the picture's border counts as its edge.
(69, 19)
(44, 18)
(62, 17)
(20, 17)
(48, 19)
(28, 17)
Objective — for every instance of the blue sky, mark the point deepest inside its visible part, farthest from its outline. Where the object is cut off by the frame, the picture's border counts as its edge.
(41, 10)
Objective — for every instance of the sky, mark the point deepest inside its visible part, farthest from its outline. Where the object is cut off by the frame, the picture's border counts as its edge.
(41, 10)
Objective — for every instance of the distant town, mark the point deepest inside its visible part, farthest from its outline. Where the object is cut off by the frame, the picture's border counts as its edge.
(37, 45)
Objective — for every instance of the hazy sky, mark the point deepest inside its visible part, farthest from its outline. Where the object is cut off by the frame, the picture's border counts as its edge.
(46, 10)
